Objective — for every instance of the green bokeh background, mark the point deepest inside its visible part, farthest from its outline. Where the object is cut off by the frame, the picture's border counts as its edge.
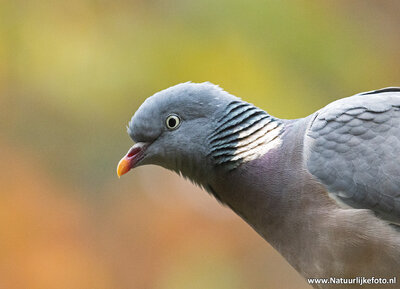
(73, 72)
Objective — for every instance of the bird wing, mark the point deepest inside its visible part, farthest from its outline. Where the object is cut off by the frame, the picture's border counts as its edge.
(352, 146)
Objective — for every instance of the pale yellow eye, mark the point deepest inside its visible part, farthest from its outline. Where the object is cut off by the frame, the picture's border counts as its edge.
(172, 122)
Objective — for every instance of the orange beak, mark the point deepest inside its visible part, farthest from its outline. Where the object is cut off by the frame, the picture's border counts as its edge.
(130, 160)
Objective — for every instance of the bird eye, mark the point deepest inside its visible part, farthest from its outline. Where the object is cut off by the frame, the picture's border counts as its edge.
(172, 121)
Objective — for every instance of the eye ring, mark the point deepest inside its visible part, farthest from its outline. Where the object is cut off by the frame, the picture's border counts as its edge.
(172, 121)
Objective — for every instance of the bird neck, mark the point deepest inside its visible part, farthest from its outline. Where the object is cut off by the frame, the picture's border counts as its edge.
(243, 133)
(269, 193)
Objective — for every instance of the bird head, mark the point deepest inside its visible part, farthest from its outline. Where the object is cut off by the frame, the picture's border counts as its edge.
(172, 128)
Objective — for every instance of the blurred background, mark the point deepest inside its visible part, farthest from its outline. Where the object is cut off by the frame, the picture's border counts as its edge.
(73, 72)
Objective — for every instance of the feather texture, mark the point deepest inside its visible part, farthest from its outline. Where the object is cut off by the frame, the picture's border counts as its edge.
(353, 147)
(243, 133)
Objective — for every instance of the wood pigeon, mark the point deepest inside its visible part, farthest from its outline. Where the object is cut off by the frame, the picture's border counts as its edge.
(323, 190)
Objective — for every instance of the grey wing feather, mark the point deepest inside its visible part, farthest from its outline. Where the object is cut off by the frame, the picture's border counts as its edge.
(352, 146)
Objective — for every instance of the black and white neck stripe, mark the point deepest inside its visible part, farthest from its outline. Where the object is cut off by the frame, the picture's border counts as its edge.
(244, 133)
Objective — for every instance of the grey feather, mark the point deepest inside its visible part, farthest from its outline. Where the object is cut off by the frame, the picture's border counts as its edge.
(354, 147)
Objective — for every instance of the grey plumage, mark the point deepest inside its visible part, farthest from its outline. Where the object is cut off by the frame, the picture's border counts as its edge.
(323, 190)
(354, 149)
